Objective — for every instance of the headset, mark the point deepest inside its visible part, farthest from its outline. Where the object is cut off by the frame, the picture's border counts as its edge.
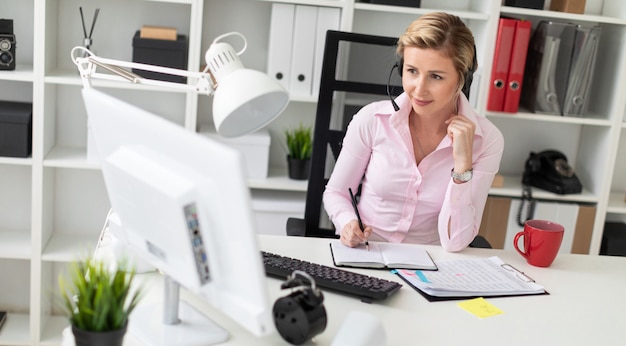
(469, 75)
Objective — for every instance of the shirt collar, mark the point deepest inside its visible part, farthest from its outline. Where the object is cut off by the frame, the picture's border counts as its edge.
(398, 118)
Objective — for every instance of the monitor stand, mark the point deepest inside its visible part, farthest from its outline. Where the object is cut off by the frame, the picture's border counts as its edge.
(171, 324)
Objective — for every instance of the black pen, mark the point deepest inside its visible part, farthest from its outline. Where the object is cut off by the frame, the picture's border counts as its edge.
(358, 216)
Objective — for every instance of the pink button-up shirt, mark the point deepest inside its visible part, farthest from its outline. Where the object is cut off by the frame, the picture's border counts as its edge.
(403, 202)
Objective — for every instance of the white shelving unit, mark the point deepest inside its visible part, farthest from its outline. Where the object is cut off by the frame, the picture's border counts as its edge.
(591, 142)
(53, 204)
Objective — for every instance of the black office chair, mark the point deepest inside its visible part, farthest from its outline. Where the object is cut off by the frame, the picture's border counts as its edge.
(333, 88)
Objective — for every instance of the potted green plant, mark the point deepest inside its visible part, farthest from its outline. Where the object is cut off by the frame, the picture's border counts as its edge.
(98, 301)
(299, 148)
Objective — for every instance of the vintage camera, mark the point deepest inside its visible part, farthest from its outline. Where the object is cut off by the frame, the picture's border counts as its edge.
(7, 45)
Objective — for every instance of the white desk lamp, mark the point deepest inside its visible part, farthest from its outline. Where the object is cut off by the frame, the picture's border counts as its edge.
(244, 100)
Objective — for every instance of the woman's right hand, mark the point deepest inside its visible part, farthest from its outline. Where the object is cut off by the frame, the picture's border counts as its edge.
(352, 236)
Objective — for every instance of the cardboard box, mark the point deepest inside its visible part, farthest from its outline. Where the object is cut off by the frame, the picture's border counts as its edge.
(16, 128)
(569, 6)
(254, 147)
(584, 229)
(166, 53)
(498, 181)
(158, 33)
(494, 221)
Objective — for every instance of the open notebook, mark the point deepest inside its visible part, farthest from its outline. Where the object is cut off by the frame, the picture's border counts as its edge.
(382, 255)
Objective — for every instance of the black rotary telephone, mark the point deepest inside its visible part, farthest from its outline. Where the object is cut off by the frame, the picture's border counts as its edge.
(550, 171)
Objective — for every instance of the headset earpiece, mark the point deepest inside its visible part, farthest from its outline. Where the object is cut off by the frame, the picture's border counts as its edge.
(469, 75)
(397, 65)
(468, 83)
(400, 66)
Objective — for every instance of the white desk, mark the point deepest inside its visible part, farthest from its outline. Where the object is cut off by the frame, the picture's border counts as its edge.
(586, 305)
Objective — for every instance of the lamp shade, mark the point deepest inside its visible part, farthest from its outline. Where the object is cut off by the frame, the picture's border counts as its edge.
(245, 101)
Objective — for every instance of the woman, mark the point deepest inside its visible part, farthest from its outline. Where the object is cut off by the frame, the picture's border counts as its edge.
(426, 168)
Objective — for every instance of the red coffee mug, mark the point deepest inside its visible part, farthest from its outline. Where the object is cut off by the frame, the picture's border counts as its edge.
(542, 240)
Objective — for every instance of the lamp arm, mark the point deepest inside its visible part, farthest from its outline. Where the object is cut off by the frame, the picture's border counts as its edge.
(244, 100)
(87, 64)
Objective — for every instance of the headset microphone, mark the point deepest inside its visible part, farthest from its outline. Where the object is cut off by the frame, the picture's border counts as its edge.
(393, 103)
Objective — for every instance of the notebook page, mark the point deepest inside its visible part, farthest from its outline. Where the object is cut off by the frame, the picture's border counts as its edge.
(402, 254)
(345, 254)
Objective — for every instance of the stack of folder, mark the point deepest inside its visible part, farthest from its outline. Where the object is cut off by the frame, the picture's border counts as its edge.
(296, 45)
(508, 65)
(558, 75)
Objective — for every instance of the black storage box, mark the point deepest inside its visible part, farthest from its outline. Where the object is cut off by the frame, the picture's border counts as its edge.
(613, 239)
(534, 4)
(406, 3)
(16, 128)
(165, 53)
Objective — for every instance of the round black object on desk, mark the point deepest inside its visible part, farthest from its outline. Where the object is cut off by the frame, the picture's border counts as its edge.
(300, 315)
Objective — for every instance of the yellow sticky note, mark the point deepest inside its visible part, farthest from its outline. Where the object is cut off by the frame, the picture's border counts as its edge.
(480, 307)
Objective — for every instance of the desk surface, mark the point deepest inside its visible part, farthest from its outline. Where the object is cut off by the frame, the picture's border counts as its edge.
(586, 305)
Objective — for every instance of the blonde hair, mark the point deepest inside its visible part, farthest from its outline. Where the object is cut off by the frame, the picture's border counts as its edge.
(444, 32)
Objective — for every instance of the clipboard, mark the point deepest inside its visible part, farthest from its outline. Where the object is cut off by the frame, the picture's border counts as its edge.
(471, 278)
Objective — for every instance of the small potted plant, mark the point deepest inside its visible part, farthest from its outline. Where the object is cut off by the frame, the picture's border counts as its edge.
(300, 148)
(98, 301)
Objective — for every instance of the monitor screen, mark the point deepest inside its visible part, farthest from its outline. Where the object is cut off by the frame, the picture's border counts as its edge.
(184, 206)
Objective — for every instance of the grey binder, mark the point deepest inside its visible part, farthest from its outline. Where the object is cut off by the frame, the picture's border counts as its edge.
(547, 67)
(581, 70)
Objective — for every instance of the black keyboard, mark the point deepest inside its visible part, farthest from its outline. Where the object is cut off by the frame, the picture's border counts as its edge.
(365, 287)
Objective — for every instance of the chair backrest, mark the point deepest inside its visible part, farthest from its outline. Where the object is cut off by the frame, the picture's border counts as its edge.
(324, 137)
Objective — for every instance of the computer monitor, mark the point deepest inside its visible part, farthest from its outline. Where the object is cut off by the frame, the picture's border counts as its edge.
(184, 206)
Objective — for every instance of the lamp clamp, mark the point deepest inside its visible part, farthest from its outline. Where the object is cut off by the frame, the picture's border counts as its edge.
(301, 315)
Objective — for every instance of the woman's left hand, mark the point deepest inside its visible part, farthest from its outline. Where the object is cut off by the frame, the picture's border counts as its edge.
(461, 132)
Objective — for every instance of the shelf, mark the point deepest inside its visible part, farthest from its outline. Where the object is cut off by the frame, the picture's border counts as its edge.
(65, 247)
(16, 330)
(549, 118)
(188, 2)
(76, 158)
(278, 180)
(325, 3)
(512, 11)
(16, 244)
(52, 334)
(616, 203)
(22, 73)
(417, 10)
(67, 157)
(308, 99)
(513, 188)
(16, 161)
